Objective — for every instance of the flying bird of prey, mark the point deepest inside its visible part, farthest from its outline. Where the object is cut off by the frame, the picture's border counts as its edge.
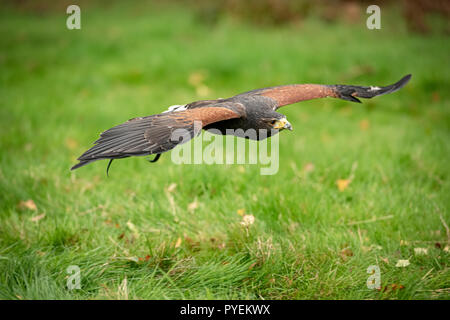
(256, 109)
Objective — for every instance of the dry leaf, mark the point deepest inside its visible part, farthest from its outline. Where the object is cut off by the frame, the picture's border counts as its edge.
(447, 248)
(396, 286)
(346, 253)
(146, 258)
(402, 263)
(171, 187)
(122, 291)
(309, 167)
(364, 124)
(393, 287)
(133, 229)
(404, 243)
(41, 253)
(202, 90)
(193, 205)
(252, 265)
(134, 259)
(196, 78)
(71, 144)
(29, 204)
(435, 97)
(178, 243)
(342, 184)
(385, 260)
(38, 217)
(247, 220)
(191, 243)
(420, 251)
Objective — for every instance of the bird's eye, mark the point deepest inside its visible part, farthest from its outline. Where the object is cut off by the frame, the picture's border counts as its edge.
(272, 122)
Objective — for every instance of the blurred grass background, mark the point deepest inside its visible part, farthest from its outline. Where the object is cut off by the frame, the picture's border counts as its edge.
(164, 231)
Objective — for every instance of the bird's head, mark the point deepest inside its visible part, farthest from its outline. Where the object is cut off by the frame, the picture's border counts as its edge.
(278, 122)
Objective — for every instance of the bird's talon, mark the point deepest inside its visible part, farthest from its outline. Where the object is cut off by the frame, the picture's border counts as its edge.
(155, 158)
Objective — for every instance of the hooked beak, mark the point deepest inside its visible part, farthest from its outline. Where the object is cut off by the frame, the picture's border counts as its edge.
(288, 126)
(282, 124)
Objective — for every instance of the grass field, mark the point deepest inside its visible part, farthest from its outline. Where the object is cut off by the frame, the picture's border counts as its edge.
(165, 231)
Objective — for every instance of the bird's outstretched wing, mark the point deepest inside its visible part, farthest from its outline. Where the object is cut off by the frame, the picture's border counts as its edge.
(288, 94)
(157, 133)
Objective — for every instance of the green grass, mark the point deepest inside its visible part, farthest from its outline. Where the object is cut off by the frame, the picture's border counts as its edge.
(60, 88)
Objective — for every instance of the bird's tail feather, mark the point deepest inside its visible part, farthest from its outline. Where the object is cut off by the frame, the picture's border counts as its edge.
(142, 136)
(351, 93)
(122, 141)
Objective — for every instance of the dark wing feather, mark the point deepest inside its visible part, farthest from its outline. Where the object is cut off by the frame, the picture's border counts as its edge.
(350, 93)
(288, 94)
(155, 134)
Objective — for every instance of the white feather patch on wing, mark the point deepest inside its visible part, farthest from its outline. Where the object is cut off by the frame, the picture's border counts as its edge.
(177, 107)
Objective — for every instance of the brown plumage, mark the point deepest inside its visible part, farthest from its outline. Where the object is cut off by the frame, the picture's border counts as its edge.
(254, 109)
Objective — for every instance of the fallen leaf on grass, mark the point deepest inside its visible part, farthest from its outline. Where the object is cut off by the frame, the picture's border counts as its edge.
(420, 251)
(252, 265)
(393, 287)
(202, 90)
(178, 243)
(364, 124)
(29, 204)
(38, 217)
(133, 229)
(371, 247)
(196, 78)
(402, 263)
(191, 243)
(146, 258)
(122, 291)
(346, 253)
(309, 167)
(171, 187)
(435, 97)
(71, 144)
(342, 184)
(193, 205)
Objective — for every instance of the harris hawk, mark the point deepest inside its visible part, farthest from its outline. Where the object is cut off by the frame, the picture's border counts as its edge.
(254, 109)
